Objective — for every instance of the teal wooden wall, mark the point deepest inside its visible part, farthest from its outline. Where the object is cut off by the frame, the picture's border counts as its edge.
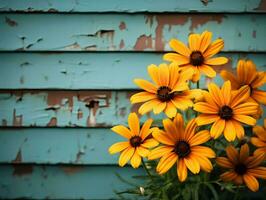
(66, 71)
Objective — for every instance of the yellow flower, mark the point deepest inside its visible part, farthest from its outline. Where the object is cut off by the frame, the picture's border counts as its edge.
(242, 167)
(260, 140)
(138, 141)
(168, 92)
(198, 55)
(182, 146)
(227, 110)
(248, 75)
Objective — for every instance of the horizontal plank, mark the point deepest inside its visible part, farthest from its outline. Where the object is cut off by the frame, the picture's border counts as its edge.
(236, 6)
(87, 70)
(63, 182)
(58, 145)
(124, 32)
(67, 108)
(64, 108)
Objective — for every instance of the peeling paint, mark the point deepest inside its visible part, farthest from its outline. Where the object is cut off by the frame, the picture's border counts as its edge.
(122, 26)
(262, 6)
(11, 22)
(52, 123)
(18, 158)
(17, 120)
(80, 114)
(199, 21)
(254, 34)
(143, 42)
(122, 44)
(69, 170)
(22, 170)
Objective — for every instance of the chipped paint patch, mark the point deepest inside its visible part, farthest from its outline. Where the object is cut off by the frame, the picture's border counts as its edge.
(143, 42)
(11, 22)
(69, 170)
(122, 26)
(18, 158)
(22, 170)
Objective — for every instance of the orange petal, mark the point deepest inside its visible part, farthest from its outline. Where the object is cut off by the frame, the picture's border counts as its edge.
(229, 76)
(251, 182)
(259, 96)
(182, 170)
(229, 131)
(205, 40)
(178, 59)
(162, 137)
(159, 152)
(194, 42)
(217, 128)
(245, 119)
(228, 176)
(126, 156)
(145, 129)
(224, 162)
(204, 119)
(148, 106)
(199, 138)
(170, 110)
(214, 48)
(123, 131)
(146, 85)
(216, 61)
(153, 71)
(166, 162)
(133, 122)
(179, 47)
(232, 154)
(207, 70)
(119, 146)
(244, 153)
(142, 97)
(163, 75)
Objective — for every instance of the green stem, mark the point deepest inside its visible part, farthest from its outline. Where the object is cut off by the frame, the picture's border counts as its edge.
(146, 169)
(237, 193)
(198, 85)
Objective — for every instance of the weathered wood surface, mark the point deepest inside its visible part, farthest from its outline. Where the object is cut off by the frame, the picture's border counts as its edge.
(63, 181)
(58, 145)
(124, 32)
(65, 108)
(111, 71)
(129, 6)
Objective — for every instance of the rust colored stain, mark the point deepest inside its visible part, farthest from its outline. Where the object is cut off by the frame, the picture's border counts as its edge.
(122, 26)
(122, 112)
(122, 44)
(173, 19)
(254, 34)
(78, 156)
(72, 169)
(17, 120)
(197, 21)
(52, 122)
(22, 170)
(262, 5)
(205, 2)
(149, 20)
(170, 20)
(18, 158)
(80, 114)
(11, 22)
(143, 42)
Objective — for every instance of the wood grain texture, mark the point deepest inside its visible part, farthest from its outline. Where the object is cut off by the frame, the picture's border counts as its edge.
(77, 146)
(93, 70)
(124, 32)
(64, 182)
(51, 6)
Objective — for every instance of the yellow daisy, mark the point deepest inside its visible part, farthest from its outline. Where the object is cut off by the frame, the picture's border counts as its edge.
(226, 111)
(248, 75)
(168, 93)
(242, 167)
(260, 140)
(182, 146)
(198, 56)
(138, 141)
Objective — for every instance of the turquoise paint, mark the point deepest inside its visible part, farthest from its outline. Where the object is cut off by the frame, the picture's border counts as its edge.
(35, 110)
(132, 7)
(64, 182)
(91, 32)
(58, 145)
(86, 70)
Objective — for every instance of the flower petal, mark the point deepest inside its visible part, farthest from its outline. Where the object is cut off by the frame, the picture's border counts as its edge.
(203, 151)
(192, 164)
(142, 97)
(228, 176)
(159, 107)
(251, 182)
(146, 85)
(232, 154)
(126, 156)
(133, 122)
(217, 128)
(245, 119)
(214, 48)
(182, 170)
(229, 76)
(199, 138)
(159, 152)
(204, 119)
(229, 131)
(123, 131)
(153, 71)
(170, 110)
(148, 106)
(166, 162)
(135, 160)
(162, 137)
(177, 58)
(244, 153)
(224, 162)
(259, 96)
(216, 61)
(207, 70)
(143, 152)
(194, 42)
(119, 146)
(150, 143)
(205, 40)
(179, 47)
(145, 129)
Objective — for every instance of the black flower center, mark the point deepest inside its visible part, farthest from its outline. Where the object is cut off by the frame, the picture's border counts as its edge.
(182, 149)
(196, 58)
(240, 169)
(226, 112)
(163, 94)
(135, 141)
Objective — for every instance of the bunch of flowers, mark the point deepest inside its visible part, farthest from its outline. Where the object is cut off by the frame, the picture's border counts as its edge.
(202, 147)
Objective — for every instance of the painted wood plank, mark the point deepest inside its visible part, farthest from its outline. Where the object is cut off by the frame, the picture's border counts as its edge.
(64, 181)
(58, 145)
(66, 108)
(128, 6)
(124, 32)
(87, 70)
